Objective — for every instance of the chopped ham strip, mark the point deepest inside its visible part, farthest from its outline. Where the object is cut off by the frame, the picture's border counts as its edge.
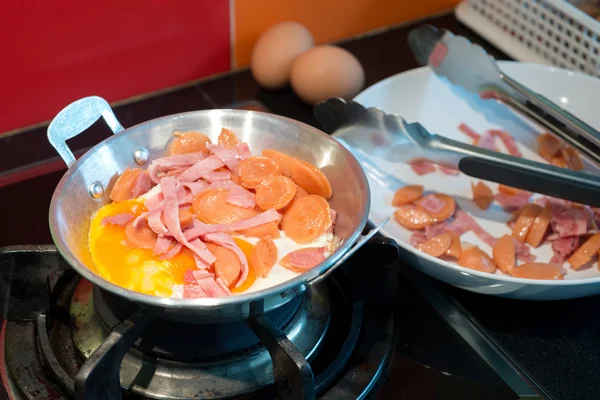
(422, 167)
(159, 167)
(223, 286)
(333, 215)
(143, 217)
(487, 141)
(570, 222)
(469, 132)
(205, 281)
(435, 230)
(243, 151)
(512, 201)
(212, 288)
(432, 204)
(523, 252)
(194, 291)
(171, 215)
(217, 176)
(199, 169)
(306, 258)
(200, 228)
(508, 141)
(462, 223)
(563, 248)
(418, 238)
(449, 170)
(229, 157)
(201, 274)
(118, 219)
(223, 239)
(172, 252)
(162, 246)
(142, 184)
(238, 195)
(195, 187)
(155, 208)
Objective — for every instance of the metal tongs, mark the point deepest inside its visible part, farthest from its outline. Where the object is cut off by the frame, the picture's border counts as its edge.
(468, 65)
(377, 134)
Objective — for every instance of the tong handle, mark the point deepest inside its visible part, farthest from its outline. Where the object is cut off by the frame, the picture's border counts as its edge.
(523, 174)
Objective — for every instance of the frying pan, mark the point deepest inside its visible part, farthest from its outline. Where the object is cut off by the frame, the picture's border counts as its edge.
(86, 185)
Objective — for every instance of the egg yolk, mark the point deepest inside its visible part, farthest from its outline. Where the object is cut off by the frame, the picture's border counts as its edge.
(139, 269)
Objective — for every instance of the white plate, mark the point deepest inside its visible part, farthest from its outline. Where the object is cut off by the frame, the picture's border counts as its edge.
(419, 95)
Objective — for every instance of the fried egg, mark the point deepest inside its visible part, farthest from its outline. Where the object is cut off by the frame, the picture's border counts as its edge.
(142, 271)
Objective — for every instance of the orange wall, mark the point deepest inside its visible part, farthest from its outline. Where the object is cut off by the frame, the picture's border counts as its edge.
(328, 20)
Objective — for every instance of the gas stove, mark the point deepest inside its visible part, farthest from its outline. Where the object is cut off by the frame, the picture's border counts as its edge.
(352, 336)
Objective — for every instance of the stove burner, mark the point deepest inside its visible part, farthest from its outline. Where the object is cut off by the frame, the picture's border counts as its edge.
(213, 359)
(328, 343)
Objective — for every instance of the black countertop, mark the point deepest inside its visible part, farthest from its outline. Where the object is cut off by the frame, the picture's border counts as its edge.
(554, 345)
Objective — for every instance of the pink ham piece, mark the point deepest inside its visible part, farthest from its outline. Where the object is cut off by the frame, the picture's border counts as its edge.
(435, 230)
(422, 167)
(563, 248)
(161, 166)
(155, 209)
(212, 288)
(194, 291)
(449, 170)
(306, 258)
(512, 202)
(201, 274)
(508, 141)
(171, 215)
(469, 132)
(462, 223)
(143, 217)
(487, 141)
(199, 169)
(523, 252)
(431, 204)
(217, 176)
(417, 238)
(142, 185)
(203, 282)
(223, 239)
(570, 222)
(238, 196)
(201, 228)
(223, 286)
(243, 151)
(333, 215)
(195, 187)
(229, 157)
(118, 219)
(173, 251)
(163, 244)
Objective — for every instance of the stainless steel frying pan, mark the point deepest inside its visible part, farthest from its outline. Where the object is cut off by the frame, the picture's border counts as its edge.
(86, 185)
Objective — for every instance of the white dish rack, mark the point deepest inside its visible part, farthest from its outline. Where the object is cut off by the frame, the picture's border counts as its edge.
(551, 32)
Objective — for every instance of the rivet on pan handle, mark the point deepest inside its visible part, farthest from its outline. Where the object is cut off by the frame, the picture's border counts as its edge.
(75, 119)
(364, 239)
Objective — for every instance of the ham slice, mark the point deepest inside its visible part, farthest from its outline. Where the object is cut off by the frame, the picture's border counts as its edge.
(462, 223)
(523, 252)
(212, 288)
(199, 169)
(172, 252)
(195, 187)
(512, 201)
(194, 291)
(333, 216)
(229, 157)
(163, 244)
(142, 184)
(155, 208)
(223, 286)
(435, 230)
(487, 141)
(118, 219)
(422, 167)
(469, 132)
(432, 204)
(570, 222)
(171, 215)
(243, 151)
(200, 228)
(159, 167)
(306, 258)
(449, 170)
(238, 195)
(508, 141)
(217, 176)
(562, 248)
(417, 238)
(223, 239)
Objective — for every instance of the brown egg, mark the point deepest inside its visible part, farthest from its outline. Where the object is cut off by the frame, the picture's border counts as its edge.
(326, 71)
(275, 52)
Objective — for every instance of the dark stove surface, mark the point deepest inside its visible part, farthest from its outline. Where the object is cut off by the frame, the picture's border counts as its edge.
(451, 344)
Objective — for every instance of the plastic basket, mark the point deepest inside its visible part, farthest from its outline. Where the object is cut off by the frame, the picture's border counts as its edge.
(551, 32)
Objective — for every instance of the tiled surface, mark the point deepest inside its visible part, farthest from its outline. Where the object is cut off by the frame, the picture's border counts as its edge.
(55, 52)
(328, 21)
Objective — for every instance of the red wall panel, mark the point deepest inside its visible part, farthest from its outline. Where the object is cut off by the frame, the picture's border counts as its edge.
(53, 52)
